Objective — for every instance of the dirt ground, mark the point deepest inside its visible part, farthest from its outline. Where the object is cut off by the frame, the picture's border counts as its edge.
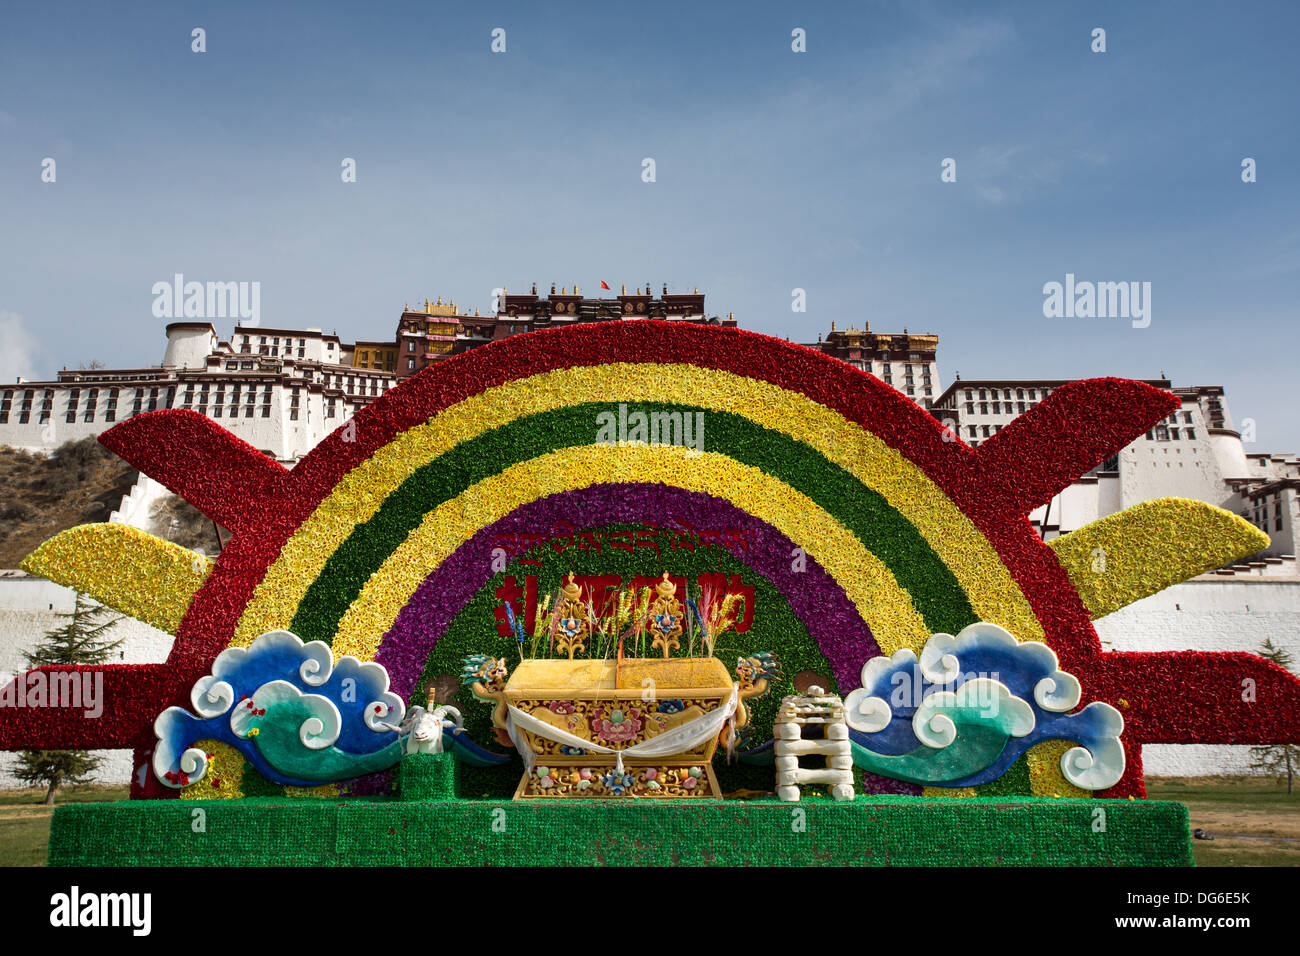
(1254, 822)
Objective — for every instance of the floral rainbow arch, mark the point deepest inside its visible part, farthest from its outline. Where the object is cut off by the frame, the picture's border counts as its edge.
(877, 526)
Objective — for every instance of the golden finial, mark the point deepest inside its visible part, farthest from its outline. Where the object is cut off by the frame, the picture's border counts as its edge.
(406, 306)
(832, 325)
(624, 291)
(563, 291)
(665, 588)
(697, 290)
(439, 302)
(476, 310)
(426, 306)
(453, 307)
(571, 590)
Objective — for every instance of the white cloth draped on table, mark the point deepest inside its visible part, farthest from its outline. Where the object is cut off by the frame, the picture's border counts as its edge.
(680, 739)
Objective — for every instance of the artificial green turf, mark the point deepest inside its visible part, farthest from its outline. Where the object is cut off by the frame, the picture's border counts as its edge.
(877, 830)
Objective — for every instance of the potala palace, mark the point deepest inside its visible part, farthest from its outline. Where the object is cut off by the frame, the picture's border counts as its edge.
(283, 389)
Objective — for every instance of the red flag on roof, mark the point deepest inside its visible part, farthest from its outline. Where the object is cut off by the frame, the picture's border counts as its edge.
(603, 284)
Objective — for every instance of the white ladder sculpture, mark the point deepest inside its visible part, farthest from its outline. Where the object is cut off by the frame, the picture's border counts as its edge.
(798, 711)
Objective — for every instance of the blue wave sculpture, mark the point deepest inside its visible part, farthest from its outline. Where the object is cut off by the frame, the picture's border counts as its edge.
(299, 717)
(970, 706)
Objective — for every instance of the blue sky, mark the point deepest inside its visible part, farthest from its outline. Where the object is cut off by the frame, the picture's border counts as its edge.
(774, 170)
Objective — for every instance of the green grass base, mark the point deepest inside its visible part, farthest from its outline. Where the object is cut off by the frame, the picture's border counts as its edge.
(881, 831)
(427, 777)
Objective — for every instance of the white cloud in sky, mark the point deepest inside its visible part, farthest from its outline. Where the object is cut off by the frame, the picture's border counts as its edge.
(18, 348)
